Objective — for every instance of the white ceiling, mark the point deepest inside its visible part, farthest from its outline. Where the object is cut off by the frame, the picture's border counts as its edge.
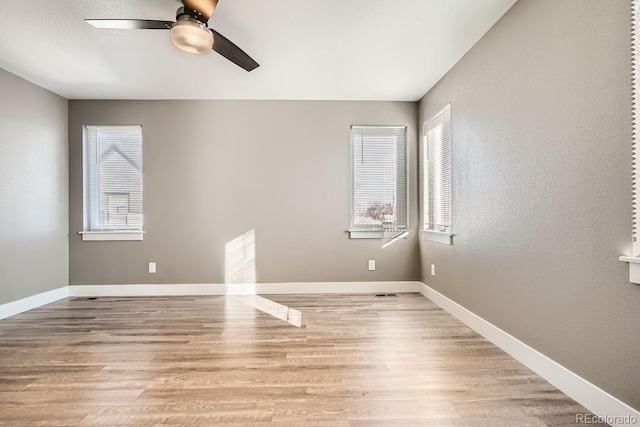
(307, 49)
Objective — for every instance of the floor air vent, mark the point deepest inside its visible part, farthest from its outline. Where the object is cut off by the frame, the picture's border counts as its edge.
(386, 295)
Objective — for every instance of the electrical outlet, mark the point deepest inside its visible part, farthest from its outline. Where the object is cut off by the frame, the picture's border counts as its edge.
(372, 265)
(152, 267)
(433, 270)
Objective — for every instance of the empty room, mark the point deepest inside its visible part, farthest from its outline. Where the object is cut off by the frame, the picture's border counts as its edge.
(357, 213)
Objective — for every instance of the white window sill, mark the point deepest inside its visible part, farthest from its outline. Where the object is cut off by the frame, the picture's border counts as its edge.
(105, 236)
(366, 234)
(634, 268)
(373, 234)
(437, 236)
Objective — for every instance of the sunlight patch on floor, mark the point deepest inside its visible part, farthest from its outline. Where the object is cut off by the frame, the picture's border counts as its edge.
(240, 279)
(279, 311)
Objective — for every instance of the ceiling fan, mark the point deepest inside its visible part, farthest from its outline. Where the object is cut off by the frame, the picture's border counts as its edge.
(190, 31)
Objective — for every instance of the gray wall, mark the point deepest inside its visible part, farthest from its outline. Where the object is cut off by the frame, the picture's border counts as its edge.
(542, 186)
(34, 254)
(214, 170)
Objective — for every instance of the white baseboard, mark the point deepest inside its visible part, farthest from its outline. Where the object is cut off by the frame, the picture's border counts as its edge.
(29, 303)
(582, 391)
(335, 287)
(260, 288)
(146, 290)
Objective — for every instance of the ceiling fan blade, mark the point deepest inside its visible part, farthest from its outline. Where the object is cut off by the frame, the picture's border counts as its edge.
(130, 24)
(203, 7)
(233, 53)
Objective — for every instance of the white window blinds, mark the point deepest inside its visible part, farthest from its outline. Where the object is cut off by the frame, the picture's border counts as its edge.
(113, 177)
(437, 171)
(635, 119)
(379, 179)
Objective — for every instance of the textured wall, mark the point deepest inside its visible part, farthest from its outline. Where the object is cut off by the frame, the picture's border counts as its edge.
(214, 170)
(33, 189)
(542, 190)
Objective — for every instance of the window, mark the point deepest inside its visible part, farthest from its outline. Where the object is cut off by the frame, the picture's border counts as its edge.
(112, 183)
(634, 259)
(437, 176)
(635, 122)
(379, 182)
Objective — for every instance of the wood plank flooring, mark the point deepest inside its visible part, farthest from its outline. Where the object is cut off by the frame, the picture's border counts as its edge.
(358, 361)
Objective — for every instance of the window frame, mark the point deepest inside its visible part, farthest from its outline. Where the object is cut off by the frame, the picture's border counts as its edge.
(104, 233)
(359, 231)
(634, 259)
(443, 233)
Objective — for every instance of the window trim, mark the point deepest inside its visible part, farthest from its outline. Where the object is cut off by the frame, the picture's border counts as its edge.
(108, 233)
(444, 237)
(432, 234)
(374, 232)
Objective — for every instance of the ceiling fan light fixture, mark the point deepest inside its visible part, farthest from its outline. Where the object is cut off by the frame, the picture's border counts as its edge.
(191, 35)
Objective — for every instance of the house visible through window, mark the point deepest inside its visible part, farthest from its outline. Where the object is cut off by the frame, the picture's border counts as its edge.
(437, 176)
(379, 181)
(113, 179)
(118, 212)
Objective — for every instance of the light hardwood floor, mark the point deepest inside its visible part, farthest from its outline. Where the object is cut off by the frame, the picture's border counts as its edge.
(358, 361)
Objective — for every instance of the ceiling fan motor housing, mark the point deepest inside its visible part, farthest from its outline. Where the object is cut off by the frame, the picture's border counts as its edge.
(191, 13)
(203, 8)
